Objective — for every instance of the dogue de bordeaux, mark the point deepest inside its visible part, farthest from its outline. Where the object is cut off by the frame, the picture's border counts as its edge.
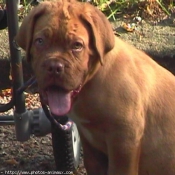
(121, 100)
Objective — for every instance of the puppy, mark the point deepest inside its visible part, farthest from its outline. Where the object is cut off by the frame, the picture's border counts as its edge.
(121, 100)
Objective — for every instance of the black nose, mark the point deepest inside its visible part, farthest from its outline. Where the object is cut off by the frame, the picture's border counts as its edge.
(54, 67)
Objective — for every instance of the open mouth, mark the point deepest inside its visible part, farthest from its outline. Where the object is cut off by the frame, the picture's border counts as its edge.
(58, 99)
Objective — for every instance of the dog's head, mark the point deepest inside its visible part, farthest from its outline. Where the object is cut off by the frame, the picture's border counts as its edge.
(65, 41)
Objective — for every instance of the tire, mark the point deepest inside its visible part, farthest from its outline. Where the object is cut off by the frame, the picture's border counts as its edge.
(66, 147)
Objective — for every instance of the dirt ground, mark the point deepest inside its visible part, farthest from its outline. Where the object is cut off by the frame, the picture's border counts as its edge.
(158, 40)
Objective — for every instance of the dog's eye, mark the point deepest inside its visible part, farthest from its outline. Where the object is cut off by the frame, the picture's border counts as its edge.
(39, 41)
(77, 46)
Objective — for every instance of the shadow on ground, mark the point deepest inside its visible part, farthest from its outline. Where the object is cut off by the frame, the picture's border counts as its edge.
(167, 61)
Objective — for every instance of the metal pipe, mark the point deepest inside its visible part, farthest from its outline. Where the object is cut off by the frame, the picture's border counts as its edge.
(6, 117)
(6, 107)
(6, 123)
(7, 120)
(16, 61)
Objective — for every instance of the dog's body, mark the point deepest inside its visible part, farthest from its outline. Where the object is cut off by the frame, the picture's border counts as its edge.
(131, 121)
(121, 100)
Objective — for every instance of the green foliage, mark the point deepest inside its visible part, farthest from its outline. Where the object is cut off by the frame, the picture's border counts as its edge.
(161, 4)
(111, 7)
(27, 6)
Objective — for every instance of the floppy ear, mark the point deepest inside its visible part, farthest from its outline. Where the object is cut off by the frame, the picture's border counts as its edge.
(102, 33)
(25, 34)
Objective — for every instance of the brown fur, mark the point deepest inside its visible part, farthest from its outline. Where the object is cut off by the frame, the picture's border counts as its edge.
(125, 111)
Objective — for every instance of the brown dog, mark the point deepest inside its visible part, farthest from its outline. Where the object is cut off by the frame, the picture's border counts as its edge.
(121, 100)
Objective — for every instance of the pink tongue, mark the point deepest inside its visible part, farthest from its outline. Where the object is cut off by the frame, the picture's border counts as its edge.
(59, 101)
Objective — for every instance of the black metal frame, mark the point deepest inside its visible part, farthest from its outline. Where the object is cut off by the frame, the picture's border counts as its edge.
(17, 100)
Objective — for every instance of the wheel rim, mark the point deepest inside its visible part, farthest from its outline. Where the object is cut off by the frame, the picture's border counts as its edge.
(75, 141)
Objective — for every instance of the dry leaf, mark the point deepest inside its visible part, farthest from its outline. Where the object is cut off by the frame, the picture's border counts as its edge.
(128, 27)
(6, 92)
(12, 162)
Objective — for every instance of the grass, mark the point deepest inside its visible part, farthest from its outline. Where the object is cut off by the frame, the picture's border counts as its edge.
(112, 7)
(27, 6)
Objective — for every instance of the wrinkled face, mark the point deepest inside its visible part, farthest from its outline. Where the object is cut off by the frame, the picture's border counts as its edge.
(66, 42)
(61, 58)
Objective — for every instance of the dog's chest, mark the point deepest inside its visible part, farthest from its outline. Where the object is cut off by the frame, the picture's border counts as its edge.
(92, 130)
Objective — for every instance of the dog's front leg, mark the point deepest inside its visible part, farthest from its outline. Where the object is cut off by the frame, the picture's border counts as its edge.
(123, 156)
(96, 162)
